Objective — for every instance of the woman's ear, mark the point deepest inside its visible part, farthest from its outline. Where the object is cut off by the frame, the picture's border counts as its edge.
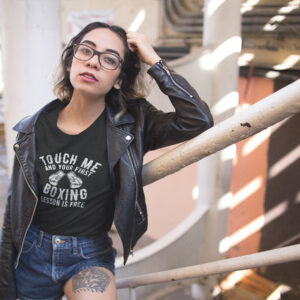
(118, 84)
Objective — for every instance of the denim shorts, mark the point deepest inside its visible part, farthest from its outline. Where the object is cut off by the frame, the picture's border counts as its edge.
(48, 261)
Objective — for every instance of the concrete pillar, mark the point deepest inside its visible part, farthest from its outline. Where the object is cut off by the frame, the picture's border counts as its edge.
(31, 45)
(222, 39)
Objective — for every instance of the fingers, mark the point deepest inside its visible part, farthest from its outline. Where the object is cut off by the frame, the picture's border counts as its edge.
(139, 44)
(131, 41)
(135, 39)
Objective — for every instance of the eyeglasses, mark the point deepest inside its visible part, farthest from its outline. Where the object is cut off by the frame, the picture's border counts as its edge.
(107, 60)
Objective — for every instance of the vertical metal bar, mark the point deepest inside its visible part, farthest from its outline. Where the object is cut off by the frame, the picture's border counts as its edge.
(132, 294)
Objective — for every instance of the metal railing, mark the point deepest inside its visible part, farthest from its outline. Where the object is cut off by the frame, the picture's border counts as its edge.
(265, 258)
(257, 117)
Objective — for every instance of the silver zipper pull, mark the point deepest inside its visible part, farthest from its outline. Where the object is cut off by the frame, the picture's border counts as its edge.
(165, 67)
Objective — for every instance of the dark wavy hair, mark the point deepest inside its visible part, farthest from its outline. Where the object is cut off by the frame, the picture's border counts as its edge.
(131, 87)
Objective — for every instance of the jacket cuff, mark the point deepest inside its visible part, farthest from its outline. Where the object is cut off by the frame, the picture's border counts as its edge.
(157, 68)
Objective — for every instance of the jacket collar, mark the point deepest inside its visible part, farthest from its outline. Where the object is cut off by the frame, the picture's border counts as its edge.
(112, 111)
(27, 124)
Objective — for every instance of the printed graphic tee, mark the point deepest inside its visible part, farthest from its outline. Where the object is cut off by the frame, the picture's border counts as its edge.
(74, 188)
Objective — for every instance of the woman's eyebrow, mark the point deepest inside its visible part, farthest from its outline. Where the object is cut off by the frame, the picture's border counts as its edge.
(89, 42)
(94, 45)
(114, 51)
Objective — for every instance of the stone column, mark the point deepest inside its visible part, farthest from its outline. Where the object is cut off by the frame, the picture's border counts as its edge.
(222, 39)
(31, 45)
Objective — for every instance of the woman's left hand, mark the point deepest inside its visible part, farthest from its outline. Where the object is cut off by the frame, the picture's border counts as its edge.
(139, 44)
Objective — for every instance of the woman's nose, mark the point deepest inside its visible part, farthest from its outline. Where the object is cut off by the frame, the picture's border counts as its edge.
(94, 62)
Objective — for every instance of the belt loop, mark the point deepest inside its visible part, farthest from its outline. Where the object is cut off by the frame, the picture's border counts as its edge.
(40, 238)
(74, 243)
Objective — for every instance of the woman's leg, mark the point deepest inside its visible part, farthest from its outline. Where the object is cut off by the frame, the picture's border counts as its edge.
(94, 283)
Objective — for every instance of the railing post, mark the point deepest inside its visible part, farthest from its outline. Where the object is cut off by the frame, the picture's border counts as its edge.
(132, 294)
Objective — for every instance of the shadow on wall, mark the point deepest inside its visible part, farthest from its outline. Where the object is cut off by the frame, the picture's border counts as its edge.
(265, 210)
(283, 186)
(246, 216)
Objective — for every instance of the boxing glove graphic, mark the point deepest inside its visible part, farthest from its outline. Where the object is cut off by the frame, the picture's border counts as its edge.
(56, 177)
(75, 182)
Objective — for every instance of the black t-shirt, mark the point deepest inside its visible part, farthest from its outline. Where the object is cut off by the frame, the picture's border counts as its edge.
(74, 189)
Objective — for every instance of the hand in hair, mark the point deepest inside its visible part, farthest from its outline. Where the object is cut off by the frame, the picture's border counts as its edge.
(139, 44)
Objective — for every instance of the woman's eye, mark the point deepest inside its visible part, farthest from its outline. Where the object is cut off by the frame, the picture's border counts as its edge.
(111, 60)
(85, 51)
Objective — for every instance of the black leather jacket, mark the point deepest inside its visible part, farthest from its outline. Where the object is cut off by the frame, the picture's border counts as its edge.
(140, 129)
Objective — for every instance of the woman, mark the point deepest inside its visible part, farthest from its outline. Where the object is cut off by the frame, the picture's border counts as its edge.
(78, 167)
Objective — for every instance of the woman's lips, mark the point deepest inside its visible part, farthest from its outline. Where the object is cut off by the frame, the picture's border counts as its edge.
(88, 77)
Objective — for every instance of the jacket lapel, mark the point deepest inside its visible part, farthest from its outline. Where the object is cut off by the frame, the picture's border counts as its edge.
(117, 134)
(25, 150)
(25, 146)
(118, 138)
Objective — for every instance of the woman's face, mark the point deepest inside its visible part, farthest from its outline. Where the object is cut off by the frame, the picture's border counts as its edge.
(89, 77)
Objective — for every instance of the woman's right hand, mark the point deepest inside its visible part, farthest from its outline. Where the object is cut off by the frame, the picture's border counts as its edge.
(139, 44)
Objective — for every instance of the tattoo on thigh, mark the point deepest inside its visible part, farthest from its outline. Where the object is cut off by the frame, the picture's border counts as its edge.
(93, 279)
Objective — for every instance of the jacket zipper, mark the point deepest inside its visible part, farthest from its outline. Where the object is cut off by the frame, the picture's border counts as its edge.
(162, 63)
(36, 198)
(135, 178)
(136, 192)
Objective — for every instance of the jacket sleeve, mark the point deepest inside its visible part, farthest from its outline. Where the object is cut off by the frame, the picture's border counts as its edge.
(191, 117)
(7, 256)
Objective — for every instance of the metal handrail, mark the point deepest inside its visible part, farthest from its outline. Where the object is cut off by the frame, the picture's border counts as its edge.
(255, 118)
(260, 259)
(271, 110)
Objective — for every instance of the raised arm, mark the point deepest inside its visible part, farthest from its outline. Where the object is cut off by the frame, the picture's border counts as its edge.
(192, 115)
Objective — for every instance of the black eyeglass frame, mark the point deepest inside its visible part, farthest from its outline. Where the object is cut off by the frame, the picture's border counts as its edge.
(98, 53)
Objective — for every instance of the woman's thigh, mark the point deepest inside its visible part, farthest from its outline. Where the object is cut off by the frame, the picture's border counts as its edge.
(93, 283)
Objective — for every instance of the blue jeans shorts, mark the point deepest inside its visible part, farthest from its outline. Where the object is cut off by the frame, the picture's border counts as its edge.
(48, 261)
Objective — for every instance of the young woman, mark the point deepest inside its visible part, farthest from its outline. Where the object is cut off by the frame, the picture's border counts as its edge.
(78, 167)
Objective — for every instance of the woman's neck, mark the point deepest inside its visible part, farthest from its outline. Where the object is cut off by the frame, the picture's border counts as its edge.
(80, 113)
(84, 109)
